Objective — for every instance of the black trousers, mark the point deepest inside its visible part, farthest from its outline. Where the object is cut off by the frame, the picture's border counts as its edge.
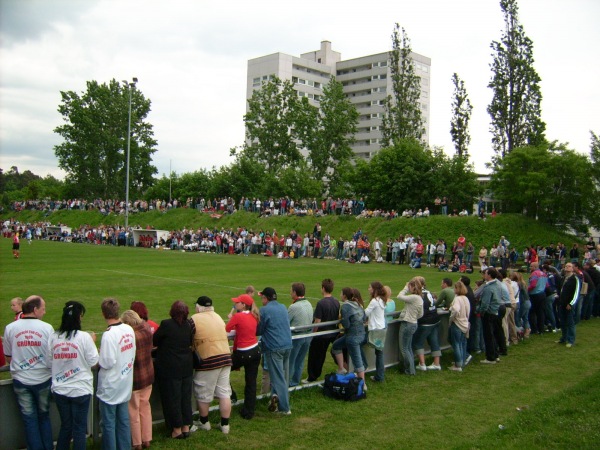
(250, 361)
(176, 398)
(537, 314)
(317, 352)
(489, 323)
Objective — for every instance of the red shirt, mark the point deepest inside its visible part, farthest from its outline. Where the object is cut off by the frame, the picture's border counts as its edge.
(244, 324)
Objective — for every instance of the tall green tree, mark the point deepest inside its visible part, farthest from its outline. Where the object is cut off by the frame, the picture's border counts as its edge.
(402, 117)
(594, 211)
(273, 129)
(515, 109)
(461, 115)
(95, 140)
(329, 144)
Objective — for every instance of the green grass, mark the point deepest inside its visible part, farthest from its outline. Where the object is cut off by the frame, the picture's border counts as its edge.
(559, 386)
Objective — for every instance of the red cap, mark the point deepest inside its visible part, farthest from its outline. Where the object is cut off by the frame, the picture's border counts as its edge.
(245, 299)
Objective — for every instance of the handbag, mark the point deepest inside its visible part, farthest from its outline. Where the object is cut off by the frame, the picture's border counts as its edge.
(377, 338)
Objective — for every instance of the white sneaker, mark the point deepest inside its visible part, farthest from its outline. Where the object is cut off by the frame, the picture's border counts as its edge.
(434, 367)
(193, 429)
(468, 360)
(422, 367)
(224, 429)
(203, 426)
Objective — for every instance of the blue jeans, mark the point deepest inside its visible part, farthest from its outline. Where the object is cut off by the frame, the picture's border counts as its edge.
(73, 421)
(431, 333)
(549, 310)
(459, 345)
(522, 317)
(567, 325)
(34, 404)
(379, 366)
(407, 330)
(297, 355)
(278, 363)
(116, 434)
(475, 343)
(354, 344)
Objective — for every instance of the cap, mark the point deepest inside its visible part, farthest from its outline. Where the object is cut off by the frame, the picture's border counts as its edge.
(268, 292)
(244, 298)
(204, 301)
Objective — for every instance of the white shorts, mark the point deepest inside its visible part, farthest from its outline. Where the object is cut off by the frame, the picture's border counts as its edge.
(209, 384)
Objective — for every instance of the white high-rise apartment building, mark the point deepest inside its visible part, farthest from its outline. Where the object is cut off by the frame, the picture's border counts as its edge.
(366, 81)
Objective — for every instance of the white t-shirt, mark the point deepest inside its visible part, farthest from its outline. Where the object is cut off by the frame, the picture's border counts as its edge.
(117, 353)
(71, 361)
(26, 342)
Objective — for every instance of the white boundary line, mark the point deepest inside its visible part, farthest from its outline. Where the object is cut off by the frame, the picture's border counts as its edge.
(171, 279)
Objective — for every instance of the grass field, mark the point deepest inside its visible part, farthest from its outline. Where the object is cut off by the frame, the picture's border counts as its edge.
(556, 389)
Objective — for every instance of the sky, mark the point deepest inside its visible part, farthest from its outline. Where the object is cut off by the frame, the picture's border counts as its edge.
(191, 61)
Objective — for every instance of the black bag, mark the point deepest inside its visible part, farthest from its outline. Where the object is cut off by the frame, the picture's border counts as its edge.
(344, 387)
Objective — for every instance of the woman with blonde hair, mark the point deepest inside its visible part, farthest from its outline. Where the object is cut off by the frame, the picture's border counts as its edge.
(140, 412)
(246, 351)
(459, 325)
(413, 310)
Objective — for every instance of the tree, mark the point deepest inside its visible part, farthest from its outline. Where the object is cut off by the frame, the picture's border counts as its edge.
(515, 109)
(549, 182)
(398, 177)
(593, 213)
(333, 136)
(402, 116)
(95, 140)
(461, 114)
(272, 127)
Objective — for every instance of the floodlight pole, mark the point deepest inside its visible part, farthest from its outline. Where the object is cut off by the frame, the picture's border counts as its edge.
(131, 87)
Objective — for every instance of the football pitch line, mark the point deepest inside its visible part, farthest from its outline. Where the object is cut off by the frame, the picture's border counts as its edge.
(121, 272)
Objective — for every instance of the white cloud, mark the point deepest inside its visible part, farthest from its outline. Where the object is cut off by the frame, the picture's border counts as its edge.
(190, 58)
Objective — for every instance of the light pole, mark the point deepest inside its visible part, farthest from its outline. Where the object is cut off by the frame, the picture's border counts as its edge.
(131, 87)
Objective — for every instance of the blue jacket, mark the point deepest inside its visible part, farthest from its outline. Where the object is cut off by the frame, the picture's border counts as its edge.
(274, 327)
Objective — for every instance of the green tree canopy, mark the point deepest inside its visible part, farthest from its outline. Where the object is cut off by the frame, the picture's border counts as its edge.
(515, 109)
(548, 182)
(402, 117)
(95, 140)
(329, 143)
(273, 128)
(461, 115)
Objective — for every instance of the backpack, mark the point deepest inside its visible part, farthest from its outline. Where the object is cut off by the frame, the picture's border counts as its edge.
(344, 387)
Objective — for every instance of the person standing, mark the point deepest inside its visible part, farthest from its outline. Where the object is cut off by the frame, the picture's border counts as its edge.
(375, 312)
(16, 245)
(353, 320)
(26, 349)
(174, 369)
(212, 375)
(72, 355)
(327, 310)
(567, 300)
(274, 327)
(537, 295)
(300, 314)
(459, 326)
(140, 412)
(16, 304)
(246, 351)
(115, 378)
(413, 310)
(489, 304)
